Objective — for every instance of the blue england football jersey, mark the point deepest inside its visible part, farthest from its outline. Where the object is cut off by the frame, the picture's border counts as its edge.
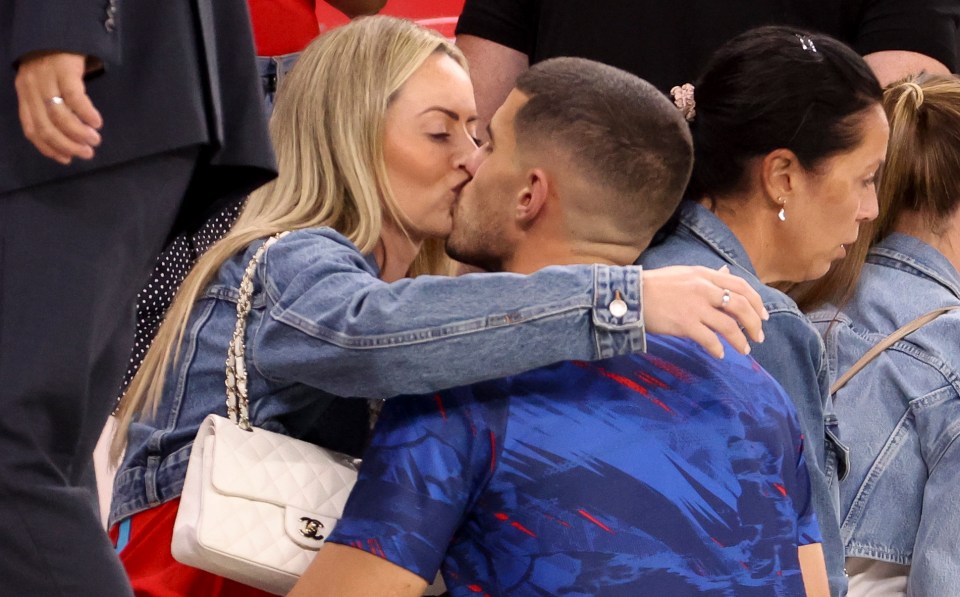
(665, 473)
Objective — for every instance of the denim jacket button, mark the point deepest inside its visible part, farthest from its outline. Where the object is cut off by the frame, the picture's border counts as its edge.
(618, 308)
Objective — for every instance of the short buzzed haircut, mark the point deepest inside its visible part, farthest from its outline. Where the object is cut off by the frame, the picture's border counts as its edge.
(622, 133)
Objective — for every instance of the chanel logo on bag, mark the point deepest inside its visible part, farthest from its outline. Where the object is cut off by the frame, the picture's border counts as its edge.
(311, 528)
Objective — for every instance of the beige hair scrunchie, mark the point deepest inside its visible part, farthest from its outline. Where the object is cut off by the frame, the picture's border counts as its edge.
(683, 98)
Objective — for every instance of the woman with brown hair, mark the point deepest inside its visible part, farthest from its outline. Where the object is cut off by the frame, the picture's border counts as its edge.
(900, 416)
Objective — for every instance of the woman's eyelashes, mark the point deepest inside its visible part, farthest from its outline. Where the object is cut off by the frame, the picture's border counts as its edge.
(444, 137)
(872, 179)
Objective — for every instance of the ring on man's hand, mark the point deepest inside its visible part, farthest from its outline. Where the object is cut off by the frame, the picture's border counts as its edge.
(55, 101)
(725, 299)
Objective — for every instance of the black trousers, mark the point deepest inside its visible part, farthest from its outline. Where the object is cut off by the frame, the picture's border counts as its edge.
(73, 255)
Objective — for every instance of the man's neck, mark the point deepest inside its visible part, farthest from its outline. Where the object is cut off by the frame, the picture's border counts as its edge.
(531, 257)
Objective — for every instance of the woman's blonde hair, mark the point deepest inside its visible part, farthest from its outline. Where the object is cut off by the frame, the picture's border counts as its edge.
(921, 173)
(327, 130)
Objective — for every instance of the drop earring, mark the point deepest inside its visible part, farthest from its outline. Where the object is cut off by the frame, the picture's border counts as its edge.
(783, 214)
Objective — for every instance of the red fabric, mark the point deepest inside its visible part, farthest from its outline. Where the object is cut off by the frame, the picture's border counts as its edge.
(283, 26)
(287, 26)
(432, 13)
(154, 573)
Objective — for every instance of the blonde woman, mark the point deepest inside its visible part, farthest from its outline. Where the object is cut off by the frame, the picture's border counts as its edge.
(900, 415)
(372, 130)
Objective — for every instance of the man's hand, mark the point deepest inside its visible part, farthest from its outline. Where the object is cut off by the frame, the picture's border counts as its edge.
(56, 114)
(689, 302)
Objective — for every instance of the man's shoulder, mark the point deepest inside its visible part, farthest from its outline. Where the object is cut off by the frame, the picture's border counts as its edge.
(679, 361)
(670, 368)
(687, 362)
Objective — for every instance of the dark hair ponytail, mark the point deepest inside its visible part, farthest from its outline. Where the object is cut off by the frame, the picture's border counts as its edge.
(770, 88)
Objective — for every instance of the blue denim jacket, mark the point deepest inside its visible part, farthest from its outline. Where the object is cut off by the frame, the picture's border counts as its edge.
(272, 70)
(792, 353)
(323, 325)
(901, 415)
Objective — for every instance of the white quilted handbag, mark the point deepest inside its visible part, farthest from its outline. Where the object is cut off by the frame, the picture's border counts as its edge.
(256, 505)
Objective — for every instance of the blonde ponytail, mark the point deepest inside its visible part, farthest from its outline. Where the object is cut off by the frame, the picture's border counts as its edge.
(922, 170)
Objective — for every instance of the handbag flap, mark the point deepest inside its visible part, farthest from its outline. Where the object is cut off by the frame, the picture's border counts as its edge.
(271, 467)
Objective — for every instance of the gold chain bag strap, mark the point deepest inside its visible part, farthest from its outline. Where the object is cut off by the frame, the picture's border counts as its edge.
(887, 342)
(256, 505)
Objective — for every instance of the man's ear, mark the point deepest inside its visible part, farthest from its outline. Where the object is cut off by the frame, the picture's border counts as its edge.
(533, 197)
(780, 172)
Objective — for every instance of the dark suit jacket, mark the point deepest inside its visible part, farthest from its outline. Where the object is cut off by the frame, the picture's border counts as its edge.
(176, 73)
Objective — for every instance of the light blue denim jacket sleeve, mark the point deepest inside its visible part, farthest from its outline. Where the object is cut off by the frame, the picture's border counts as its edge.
(332, 324)
(935, 565)
(901, 414)
(324, 329)
(794, 354)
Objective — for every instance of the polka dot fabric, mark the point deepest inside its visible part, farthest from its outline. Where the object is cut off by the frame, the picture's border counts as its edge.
(171, 269)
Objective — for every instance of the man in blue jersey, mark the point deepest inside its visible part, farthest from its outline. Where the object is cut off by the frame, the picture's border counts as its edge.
(664, 473)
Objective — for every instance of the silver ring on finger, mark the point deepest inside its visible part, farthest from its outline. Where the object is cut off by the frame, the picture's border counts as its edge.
(55, 101)
(725, 299)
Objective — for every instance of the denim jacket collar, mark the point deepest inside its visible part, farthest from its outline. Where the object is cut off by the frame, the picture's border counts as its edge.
(703, 224)
(912, 255)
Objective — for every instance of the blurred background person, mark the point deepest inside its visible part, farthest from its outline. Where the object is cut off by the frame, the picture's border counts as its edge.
(439, 15)
(283, 28)
(667, 43)
(122, 122)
